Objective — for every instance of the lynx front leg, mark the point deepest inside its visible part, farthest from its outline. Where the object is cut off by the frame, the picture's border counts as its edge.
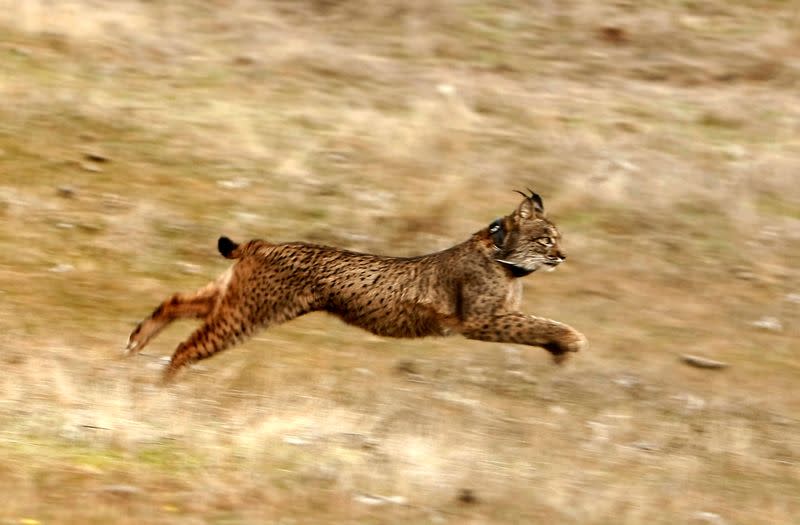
(557, 338)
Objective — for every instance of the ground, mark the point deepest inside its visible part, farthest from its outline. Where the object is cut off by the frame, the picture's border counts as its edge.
(663, 137)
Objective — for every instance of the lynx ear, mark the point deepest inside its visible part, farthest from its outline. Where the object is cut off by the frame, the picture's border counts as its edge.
(532, 205)
(537, 202)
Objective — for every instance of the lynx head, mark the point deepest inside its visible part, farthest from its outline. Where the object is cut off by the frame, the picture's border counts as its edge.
(529, 241)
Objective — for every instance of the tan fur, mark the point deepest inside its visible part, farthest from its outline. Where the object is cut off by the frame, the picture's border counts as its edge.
(471, 289)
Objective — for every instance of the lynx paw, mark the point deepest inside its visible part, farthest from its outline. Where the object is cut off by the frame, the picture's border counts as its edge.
(138, 338)
(133, 344)
(560, 349)
(576, 342)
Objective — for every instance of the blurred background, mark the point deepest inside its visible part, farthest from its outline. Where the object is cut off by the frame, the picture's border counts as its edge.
(663, 137)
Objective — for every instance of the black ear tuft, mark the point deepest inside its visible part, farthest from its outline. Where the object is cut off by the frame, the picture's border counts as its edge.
(537, 201)
(531, 206)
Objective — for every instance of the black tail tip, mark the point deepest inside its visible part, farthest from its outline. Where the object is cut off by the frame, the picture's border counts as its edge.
(226, 246)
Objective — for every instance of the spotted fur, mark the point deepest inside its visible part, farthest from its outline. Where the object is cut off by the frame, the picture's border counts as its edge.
(471, 289)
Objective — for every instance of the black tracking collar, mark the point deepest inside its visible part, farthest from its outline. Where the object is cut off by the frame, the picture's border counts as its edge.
(497, 233)
(516, 271)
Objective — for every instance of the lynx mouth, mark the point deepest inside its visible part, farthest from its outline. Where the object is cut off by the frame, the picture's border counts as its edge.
(529, 266)
(552, 264)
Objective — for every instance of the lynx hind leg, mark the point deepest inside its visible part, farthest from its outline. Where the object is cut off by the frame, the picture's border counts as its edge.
(234, 321)
(231, 323)
(215, 335)
(197, 305)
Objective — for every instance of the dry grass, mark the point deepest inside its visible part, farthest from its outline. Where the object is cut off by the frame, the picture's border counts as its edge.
(662, 135)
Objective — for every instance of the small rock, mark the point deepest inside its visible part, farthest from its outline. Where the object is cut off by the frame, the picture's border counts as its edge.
(613, 34)
(245, 60)
(625, 165)
(627, 125)
(61, 268)
(88, 469)
(407, 366)
(646, 446)
(90, 227)
(95, 156)
(294, 440)
(702, 362)
(692, 402)
(771, 324)
(558, 410)
(745, 275)
(366, 499)
(416, 378)
(627, 381)
(793, 298)
(356, 440)
(376, 500)
(67, 192)
(335, 157)
(121, 490)
(366, 372)
(693, 22)
(452, 397)
(467, 496)
(522, 376)
(114, 202)
(233, 184)
(370, 444)
(708, 517)
(20, 51)
(13, 359)
(781, 420)
(735, 152)
(445, 89)
(91, 166)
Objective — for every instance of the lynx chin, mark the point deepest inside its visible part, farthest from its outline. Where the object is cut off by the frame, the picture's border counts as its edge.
(472, 289)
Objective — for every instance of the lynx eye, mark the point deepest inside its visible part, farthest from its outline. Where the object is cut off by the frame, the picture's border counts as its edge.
(545, 241)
